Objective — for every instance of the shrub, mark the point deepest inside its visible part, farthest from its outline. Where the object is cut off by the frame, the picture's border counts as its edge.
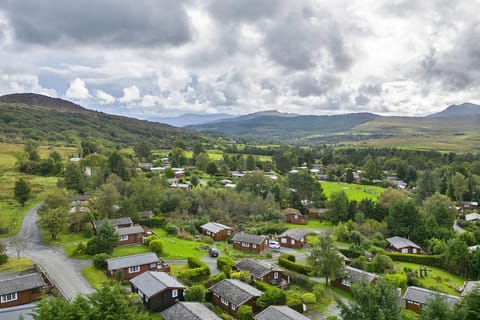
(98, 260)
(295, 303)
(381, 263)
(153, 222)
(3, 258)
(263, 286)
(245, 313)
(309, 298)
(225, 262)
(87, 232)
(195, 293)
(119, 275)
(171, 229)
(156, 246)
(300, 280)
(214, 279)
(150, 238)
(199, 272)
(274, 296)
(297, 267)
(289, 257)
(185, 236)
(243, 275)
(80, 249)
(426, 260)
(206, 239)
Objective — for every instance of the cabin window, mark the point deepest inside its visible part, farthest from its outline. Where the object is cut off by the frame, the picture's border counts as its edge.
(133, 269)
(346, 282)
(174, 293)
(234, 307)
(296, 216)
(254, 246)
(222, 300)
(153, 265)
(275, 275)
(8, 297)
(283, 240)
(124, 237)
(404, 250)
(414, 250)
(292, 241)
(229, 232)
(245, 244)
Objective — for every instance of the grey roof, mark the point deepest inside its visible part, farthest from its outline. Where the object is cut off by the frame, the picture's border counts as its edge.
(357, 275)
(146, 214)
(422, 296)
(214, 227)
(188, 311)
(21, 283)
(130, 261)
(472, 216)
(296, 234)
(115, 222)
(250, 238)
(468, 286)
(399, 242)
(280, 313)
(289, 211)
(235, 291)
(257, 268)
(130, 230)
(153, 282)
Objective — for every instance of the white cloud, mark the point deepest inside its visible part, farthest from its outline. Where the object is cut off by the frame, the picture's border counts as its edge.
(130, 94)
(105, 98)
(77, 90)
(23, 82)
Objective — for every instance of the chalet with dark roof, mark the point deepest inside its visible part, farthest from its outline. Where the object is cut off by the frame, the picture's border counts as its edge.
(416, 297)
(403, 245)
(293, 238)
(262, 271)
(279, 313)
(217, 231)
(118, 223)
(21, 289)
(131, 235)
(188, 311)
(231, 294)
(317, 213)
(157, 290)
(133, 265)
(250, 243)
(353, 275)
(294, 216)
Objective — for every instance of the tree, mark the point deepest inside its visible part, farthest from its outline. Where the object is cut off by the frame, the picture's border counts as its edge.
(372, 302)
(381, 263)
(3, 254)
(470, 305)
(436, 309)
(106, 199)
(256, 183)
(211, 168)
(88, 147)
(201, 160)
(74, 177)
(371, 170)
(474, 265)
(245, 313)
(410, 174)
(306, 187)
(325, 259)
(195, 293)
(21, 191)
(459, 185)
(441, 209)
(104, 241)
(31, 148)
(54, 220)
(349, 178)
(142, 150)
(390, 197)
(402, 218)
(197, 149)
(338, 207)
(272, 296)
(251, 163)
(177, 157)
(456, 256)
(427, 185)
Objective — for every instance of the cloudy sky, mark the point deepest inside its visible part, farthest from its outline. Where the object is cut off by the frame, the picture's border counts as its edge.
(153, 58)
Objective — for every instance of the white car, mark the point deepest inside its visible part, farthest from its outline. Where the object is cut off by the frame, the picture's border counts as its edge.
(273, 244)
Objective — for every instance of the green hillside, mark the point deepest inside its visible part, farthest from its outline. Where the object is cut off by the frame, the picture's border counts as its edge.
(56, 121)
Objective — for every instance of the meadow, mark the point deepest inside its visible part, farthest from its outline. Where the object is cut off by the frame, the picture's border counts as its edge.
(353, 191)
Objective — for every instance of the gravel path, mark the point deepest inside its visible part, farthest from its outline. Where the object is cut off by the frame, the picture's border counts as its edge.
(63, 271)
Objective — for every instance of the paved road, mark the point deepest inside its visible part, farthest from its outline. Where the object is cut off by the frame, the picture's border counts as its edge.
(63, 271)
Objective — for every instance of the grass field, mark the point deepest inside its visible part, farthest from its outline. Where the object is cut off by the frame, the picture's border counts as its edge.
(353, 191)
(16, 264)
(437, 279)
(94, 276)
(311, 224)
(175, 248)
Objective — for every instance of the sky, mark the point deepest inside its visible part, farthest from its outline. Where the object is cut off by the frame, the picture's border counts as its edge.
(155, 58)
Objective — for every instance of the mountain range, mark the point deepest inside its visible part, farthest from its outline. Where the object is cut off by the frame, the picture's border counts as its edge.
(24, 116)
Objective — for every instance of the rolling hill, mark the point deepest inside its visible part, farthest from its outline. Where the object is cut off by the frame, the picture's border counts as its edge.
(57, 121)
(187, 119)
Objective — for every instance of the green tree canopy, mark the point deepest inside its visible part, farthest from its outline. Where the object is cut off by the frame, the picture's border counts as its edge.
(441, 209)
(338, 205)
(104, 241)
(21, 191)
(325, 259)
(402, 219)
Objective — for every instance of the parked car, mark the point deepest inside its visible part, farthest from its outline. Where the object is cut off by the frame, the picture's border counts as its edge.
(273, 244)
(213, 252)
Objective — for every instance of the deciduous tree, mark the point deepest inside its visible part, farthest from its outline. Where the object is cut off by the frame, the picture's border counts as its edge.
(21, 191)
(325, 260)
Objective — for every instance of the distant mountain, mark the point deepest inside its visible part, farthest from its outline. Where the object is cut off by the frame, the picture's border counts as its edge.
(281, 126)
(33, 116)
(462, 110)
(187, 119)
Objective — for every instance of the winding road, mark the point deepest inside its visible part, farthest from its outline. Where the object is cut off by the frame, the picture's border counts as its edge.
(62, 271)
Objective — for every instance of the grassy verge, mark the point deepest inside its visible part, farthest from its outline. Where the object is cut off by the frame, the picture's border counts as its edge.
(94, 276)
(437, 279)
(16, 264)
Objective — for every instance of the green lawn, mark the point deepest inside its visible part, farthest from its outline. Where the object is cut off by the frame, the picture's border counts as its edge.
(68, 241)
(437, 279)
(175, 248)
(16, 264)
(129, 250)
(311, 224)
(94, 276)
(175, 269)
(353, 191)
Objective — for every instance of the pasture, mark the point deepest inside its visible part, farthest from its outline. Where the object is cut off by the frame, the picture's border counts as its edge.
(353, 191)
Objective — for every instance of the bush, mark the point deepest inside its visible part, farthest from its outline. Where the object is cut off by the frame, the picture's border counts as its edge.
(154, 222)
(214, 279)
(309, 298)
(195, 293)
(87, 232)
(243, 275)
(263, 286)
(199, 272)
(289, 257)
(300, 280)
(426, 260)
(295, 303)
(297, 267)
(119, 275)
(156, 246)
(171, 229)
(381, 263)
(206, 239)
(150, 239)
(225, 262)
(352, 252)
(245, 313)
(274, 296)
(98, 261)
(3, 258)
(80, 249)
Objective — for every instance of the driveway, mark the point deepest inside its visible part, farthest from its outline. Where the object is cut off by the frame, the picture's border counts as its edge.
(63, 271)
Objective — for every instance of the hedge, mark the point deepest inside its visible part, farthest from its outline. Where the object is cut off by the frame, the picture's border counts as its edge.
(263, 286)
(300, 280)
(200, 271)
(225, 261)
(297, 267)
(427, 260)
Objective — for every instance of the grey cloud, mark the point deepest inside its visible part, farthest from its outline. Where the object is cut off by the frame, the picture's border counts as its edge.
(361, 100)
(308, 85)
(246, 10)
(118, 23)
